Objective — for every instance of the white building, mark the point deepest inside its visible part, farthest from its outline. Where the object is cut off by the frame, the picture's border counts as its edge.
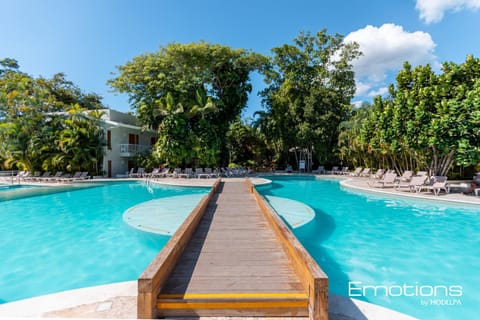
(125, 139)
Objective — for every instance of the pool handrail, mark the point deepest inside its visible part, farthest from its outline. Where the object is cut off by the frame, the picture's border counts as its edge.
(312, 276)
(157, 272)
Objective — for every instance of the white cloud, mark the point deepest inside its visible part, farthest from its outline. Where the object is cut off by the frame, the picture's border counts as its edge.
(385, 49)
(357, 104)
(370, 89)
(362, 88)
(378, 92)
(433, 10)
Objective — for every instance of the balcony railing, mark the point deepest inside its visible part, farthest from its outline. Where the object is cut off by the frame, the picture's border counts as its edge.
(130, 150)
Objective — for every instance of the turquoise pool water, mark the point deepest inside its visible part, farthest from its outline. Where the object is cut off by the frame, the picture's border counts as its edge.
(6, 187)
(421, 257)
(75, 238)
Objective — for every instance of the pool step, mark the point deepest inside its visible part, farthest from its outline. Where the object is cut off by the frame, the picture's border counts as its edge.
(233, 304)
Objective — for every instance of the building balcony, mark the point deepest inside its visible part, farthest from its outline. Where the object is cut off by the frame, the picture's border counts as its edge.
(131, 150)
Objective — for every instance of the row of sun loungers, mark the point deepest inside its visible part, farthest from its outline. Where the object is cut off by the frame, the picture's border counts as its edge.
(47, 177)
(420, 182)
(188, 173)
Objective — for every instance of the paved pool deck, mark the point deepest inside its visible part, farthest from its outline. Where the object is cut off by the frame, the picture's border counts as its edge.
(118, 300)
(365, 185)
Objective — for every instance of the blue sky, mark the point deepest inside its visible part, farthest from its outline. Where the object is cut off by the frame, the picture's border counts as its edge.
(86, 39)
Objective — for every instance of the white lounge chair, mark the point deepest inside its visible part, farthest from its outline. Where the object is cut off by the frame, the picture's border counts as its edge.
(379, 174)
(186, 174)
(413, 184)
(320, 170)
(139, 174)
(175, 173)
(25, 176)
(388, 180)
(54, 178)
(357, 172)
(45, 175)
(161, 173)
(226, 172)
(154, 172)
(334, 170)
(406, 176)
(365, 172)
(201, 173)
(32, 177)
(73, 178)
(437, 184)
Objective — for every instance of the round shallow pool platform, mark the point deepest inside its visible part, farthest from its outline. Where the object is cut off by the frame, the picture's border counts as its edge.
(296, 213)
(161, 216)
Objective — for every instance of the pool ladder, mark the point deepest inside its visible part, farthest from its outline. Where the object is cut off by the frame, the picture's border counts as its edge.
(148, 185)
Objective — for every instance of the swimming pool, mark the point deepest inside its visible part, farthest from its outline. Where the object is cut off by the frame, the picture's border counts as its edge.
(76, 238)
(417, 257)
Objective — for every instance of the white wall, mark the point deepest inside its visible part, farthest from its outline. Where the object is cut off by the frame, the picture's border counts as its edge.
(120, 135)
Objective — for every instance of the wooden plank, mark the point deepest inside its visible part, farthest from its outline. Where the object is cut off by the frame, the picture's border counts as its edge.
(232, 312)
(313, 278)
(202, 285)
(236, 295)
(252, 303)
(213, 304)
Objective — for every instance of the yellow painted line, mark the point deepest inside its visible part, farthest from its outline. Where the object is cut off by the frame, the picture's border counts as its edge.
(257, 295)
(232, 305)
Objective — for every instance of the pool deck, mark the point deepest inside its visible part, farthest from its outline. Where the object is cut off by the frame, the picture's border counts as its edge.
(119, 300)
(364, 184)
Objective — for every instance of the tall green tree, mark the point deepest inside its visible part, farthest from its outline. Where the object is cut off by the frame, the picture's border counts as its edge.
(182, 73)
(246, 145)
(184, 134)
(352, 149)
(310, 87)
(44, 123)
(428, 122)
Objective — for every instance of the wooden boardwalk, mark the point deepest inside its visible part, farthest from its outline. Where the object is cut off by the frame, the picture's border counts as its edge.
(233, 264)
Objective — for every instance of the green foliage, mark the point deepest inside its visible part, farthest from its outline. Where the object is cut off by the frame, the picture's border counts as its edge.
(43, 124)
(246, 145)
(185, 135)
(8, 64)
(310, 87)
(190, 93)
(429, 122)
